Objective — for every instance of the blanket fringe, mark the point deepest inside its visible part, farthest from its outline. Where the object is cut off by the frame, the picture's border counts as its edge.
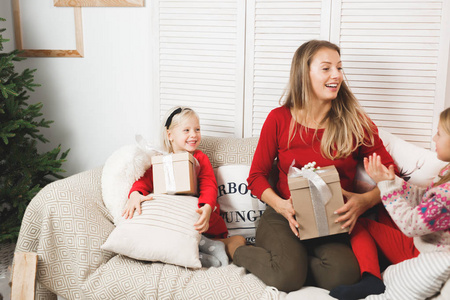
(272, 293)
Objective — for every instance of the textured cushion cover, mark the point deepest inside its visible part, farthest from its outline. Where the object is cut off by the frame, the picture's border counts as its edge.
(67, 222)
(228, 150)
(163, 232)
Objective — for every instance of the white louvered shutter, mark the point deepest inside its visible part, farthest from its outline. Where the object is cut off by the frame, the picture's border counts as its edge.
(391, 53)
(199, 61)
(275, 29)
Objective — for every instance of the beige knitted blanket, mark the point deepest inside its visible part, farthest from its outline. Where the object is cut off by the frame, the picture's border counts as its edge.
(67, 222)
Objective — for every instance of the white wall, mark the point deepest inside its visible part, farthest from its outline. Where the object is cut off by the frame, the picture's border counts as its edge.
(99, 102)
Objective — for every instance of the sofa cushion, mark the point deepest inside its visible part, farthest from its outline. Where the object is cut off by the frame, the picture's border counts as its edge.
(240, 210)
(417, 165)
(164, 232)
(417, 278)
(121, 170)
(228, 150)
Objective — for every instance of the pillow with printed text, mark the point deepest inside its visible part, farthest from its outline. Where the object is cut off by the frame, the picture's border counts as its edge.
(238, 207)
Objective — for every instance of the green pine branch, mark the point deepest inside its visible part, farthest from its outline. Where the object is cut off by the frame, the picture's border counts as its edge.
(23, 170)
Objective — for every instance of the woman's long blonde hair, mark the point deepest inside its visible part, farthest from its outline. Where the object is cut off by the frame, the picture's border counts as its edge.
(444, 121)
(348, 126)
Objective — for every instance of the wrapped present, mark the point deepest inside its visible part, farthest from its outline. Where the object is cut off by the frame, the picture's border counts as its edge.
(316, 195)
(175, 173)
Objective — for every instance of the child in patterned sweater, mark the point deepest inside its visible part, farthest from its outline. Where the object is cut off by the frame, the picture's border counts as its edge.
(422, 219)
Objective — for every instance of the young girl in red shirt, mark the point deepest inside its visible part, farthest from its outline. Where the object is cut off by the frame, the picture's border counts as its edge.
(181, 132)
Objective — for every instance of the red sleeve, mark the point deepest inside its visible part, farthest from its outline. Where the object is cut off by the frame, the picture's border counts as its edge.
(143, 185)
(265, 153)
(207, 184)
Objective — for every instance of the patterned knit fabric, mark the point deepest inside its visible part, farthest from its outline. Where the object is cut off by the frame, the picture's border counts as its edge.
(424, 216)
(66, 224)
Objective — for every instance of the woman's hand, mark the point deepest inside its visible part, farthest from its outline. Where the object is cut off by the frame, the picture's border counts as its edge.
(202, 225)
(286, 209)
(281, 206)
(355, 206)
(376, 170)
(134, 204)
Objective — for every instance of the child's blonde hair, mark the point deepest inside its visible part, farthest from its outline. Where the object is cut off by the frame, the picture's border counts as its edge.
(172, 119)
(348, 125)
(444, 121)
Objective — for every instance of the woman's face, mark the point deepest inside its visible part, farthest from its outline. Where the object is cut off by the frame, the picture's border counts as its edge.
(325, 74)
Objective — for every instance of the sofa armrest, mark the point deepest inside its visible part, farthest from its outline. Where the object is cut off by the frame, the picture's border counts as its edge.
(65, 224)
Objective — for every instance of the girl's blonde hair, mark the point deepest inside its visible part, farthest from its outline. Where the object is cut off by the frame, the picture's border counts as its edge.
(348, 125)
(444, 121)
(172, 119)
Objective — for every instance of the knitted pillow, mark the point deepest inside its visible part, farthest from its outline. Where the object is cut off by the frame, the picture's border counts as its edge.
(417, 278)
(163, 232)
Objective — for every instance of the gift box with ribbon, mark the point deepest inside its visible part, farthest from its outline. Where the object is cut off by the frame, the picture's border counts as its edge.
(175, 174)
(316, 195)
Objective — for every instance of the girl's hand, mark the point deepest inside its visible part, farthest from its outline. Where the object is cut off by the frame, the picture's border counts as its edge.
(134, 204)
(202, 225)
(376, 170)
(286, 209)
(355, 206)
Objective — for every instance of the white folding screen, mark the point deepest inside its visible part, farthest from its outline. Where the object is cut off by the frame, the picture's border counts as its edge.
(392, 50)
(275, 29)
(230, 60)
(199, 61)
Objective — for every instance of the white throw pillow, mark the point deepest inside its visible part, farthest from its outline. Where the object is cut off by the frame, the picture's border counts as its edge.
(417, 165)
(240, 210)
(163, 232)
(121, 170)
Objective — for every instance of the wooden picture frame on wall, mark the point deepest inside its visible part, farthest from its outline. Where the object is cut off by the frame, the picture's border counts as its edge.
(78, 52)
(99, 3)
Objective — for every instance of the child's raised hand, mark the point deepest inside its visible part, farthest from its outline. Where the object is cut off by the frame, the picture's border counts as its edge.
(376, 170)
(134, 204)
(202, 225)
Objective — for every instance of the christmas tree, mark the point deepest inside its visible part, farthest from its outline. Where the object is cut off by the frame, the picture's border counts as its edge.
(23, 170)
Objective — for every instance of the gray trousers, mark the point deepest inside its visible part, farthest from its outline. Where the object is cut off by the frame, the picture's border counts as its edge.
(281, 260)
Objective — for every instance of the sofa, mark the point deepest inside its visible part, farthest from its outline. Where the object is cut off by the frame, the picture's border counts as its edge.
(67, 223)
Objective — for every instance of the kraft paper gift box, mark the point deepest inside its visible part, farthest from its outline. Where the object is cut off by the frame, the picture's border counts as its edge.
(175, 174)
(315, 218)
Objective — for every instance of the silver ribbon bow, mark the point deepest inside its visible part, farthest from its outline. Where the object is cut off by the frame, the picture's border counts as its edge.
(320, 195)
(168, 174)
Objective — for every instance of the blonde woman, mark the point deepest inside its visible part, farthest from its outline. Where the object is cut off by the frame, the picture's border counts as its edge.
(320, 120)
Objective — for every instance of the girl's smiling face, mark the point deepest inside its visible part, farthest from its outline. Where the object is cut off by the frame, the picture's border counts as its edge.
(325, 74)
(442, 140)
(185, 136)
